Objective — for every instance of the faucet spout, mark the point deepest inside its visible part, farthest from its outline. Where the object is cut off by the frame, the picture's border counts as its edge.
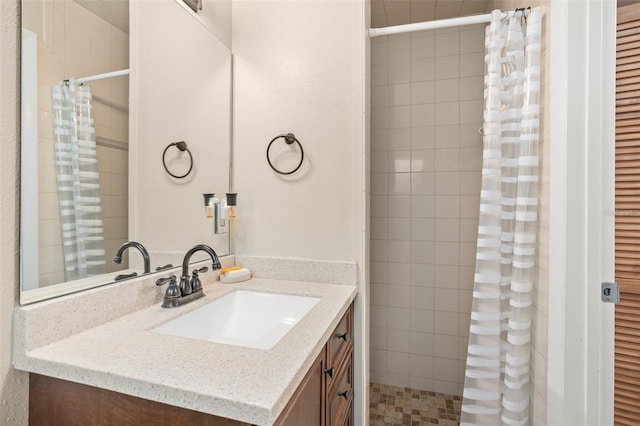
(140, 247)
(200, 247)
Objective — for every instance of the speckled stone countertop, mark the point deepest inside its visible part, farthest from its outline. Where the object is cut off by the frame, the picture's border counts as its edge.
(245, 384)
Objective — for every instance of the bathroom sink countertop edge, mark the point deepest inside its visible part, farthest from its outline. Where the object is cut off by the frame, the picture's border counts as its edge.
(245, 384)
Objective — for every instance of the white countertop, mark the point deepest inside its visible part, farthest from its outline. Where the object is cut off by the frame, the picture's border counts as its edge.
(250, 385)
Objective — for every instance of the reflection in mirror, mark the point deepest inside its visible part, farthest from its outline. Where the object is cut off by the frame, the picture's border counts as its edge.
(76, 153)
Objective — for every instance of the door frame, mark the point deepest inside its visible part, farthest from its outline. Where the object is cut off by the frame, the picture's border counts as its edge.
(580, 374)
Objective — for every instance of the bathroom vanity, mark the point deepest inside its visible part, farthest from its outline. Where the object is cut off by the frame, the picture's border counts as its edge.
(121, 372)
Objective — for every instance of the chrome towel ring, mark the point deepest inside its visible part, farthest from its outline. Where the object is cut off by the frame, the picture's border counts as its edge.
(182, 146)
(289, 138)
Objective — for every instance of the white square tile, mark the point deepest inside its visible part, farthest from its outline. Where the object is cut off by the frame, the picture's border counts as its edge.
(470, 183)
(447, 183)
(422, 47)
(447, 67)
(379, 96)
(423, 252)
(422, 137)
(464, 322)
(447, 44)
(398, 362)
(379, 139)
(472, 65)
(380, 206)
(378, 294)
(467, 254)
(379, 53)
(422, 366)
(378, 338)
(447, 276)
(399, 72)
(446, 323)
(465, 301)
(471, 88)
(379, 228)
(399, 139)
(423, 115)
(446, 300)
(399, 340)
(422, 206)
(399, 50)
(379, 162)
(446, 347)
(399, 296)
(468, 230)
(423, 160)
(379, 118)
(447, 136)
(423, 183)
(379, 316)
(378, 359)
(422, 320)
(422, 298)
(447, 230)
(447, 159)
(398, 318)
(449, 388)
(423, 70)
(466, 277)
(379, 74)
(447, 90)
(422, 229)
(422, 275)
(379, 376)
(447, 206)
(472, 41)
(399, 161)
(399, 274)
(400, 94)
(399, 228)
(398, 206)
(379, 183)
(422, 343)
(447, 113)
(471, 112)
(401, 380)
(447, 253)
(399, 183)
(399, 116)
(469, 206)
(422, 92)
(379, 249)
(399, 251)
(469, 135)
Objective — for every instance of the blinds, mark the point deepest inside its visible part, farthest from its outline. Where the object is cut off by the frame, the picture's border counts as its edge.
(627, 229)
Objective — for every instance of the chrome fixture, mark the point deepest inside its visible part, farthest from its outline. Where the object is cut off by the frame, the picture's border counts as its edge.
(140, 247)
(189, 289)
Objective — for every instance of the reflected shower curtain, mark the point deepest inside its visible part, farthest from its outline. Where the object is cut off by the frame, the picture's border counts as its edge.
(78, 181)
(496, 389)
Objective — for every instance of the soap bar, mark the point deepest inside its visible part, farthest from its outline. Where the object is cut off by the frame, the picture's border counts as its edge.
(235, 275)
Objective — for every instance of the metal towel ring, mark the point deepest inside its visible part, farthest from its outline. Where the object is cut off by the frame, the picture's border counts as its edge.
(182, 146)
(289, 138)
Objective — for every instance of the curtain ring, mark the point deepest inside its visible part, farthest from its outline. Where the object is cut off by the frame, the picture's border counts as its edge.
(289, 138)
(182, 146)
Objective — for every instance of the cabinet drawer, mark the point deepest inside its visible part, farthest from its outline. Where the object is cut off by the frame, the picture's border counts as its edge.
(340, 397)
(340, 341)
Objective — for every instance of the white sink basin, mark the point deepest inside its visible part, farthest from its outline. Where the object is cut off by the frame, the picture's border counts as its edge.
(242, 318)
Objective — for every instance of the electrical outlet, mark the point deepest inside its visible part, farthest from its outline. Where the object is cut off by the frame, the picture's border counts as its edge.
(610, 292)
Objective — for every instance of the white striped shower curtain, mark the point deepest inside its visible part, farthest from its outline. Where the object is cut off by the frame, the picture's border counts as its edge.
(496, 390)
(78, 181)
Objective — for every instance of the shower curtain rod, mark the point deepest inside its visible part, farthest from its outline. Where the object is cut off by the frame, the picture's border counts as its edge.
(100, 76)
(432, 25)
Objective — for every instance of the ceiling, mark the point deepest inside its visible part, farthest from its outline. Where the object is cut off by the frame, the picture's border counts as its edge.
(397, 12)
(115, 12)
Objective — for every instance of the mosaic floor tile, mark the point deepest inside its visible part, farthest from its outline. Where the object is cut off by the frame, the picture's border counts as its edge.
(392, 405)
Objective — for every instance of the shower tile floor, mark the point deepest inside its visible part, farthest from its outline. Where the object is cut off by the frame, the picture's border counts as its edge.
(392, 405)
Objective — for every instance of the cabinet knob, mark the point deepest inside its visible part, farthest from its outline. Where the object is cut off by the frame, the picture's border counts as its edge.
(330, 371)
(344, 394)
(343, 336)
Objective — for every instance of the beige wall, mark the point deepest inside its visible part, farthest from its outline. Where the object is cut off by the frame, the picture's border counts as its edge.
(540, 316)
(426, 161)
(13, 384)
(73, 42)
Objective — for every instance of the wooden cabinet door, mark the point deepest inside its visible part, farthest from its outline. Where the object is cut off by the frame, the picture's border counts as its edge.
(627, 224)
(307, 405)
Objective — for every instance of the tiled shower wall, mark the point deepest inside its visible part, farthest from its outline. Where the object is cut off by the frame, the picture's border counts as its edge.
(426, 159)
(73, 42)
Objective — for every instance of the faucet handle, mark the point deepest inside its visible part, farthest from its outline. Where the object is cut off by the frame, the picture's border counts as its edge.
(173, 291)
(196, 284)
(163, 281)
(202, 270)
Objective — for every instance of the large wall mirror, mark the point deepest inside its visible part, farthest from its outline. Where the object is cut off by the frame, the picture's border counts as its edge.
(107, 86)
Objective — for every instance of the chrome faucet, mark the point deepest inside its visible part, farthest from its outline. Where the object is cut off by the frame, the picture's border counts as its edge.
(140, 247)
(188, 290)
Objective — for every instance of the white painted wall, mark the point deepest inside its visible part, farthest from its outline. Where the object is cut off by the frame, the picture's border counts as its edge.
(183, 96)
(13, 384)
(215, 15)
(298, 68)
